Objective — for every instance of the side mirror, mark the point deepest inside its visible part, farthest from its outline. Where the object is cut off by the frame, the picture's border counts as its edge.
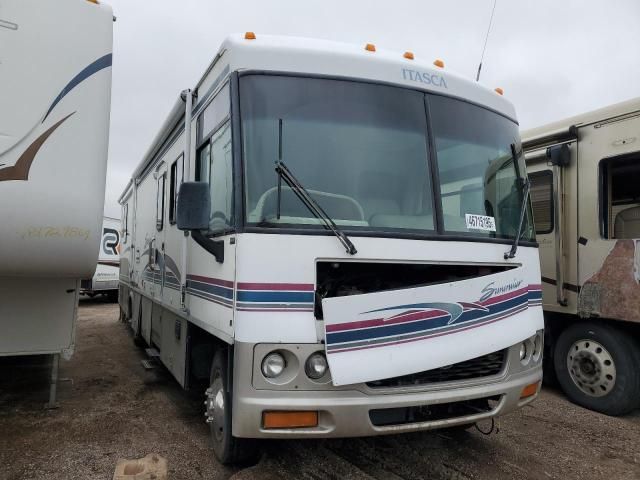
(194, 206)
(559, 155)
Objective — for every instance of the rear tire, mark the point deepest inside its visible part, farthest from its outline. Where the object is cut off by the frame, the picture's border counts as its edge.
(597, 368)
(227, 448)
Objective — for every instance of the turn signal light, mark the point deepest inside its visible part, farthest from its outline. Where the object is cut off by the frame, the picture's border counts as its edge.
(529, 390)
(499, 91)
(249, 36)
(289, 419)
(370, 47)
(438, 63)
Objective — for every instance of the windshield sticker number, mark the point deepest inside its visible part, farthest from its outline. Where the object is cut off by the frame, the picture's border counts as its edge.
(480, 222)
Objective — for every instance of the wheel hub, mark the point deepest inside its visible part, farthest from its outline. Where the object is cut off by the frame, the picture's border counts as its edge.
(591, 368)
(214, 404)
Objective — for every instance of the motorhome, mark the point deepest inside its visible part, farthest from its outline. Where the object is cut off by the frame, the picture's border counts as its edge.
(585, 177)
(335, 240)
(55, 86)
(106, 279)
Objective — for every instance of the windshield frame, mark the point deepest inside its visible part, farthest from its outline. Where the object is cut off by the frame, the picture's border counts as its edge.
(439, 233)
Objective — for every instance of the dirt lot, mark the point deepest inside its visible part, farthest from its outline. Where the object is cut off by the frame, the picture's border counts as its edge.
(111, 407)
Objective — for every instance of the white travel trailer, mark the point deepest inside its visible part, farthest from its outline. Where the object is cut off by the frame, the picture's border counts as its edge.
(106, 279)
(331, 248)
(55, 86)
(585, 191)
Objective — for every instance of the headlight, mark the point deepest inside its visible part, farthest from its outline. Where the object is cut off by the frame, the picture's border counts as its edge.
(523, 351)
(538, 343)
(273, 365)
(316, 365)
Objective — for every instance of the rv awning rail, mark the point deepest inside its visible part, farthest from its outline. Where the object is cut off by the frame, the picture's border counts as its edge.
(549, 138)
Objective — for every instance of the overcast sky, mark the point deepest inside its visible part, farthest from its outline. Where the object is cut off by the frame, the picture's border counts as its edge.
(553, 58)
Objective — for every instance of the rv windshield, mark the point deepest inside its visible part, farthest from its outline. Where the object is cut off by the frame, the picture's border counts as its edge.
(361, 150)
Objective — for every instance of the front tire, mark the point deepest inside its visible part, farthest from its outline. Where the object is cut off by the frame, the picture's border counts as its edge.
(227, 448)
(597, 368)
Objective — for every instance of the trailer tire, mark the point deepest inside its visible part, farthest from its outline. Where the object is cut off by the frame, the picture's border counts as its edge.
(218, 401)
(596, 366)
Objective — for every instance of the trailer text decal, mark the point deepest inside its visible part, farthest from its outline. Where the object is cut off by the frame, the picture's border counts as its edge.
(424, 77)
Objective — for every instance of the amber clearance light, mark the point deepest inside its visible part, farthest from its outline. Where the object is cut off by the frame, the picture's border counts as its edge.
(290, 419)
(529, 390)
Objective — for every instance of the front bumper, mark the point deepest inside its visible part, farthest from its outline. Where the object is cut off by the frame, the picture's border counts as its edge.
(345, 411)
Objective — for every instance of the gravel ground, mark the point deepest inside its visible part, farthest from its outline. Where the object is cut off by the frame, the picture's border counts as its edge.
(111, 408)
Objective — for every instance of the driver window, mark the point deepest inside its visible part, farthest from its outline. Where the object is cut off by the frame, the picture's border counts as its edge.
(214, 167)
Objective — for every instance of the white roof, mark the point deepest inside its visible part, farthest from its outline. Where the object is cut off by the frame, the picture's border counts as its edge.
(323, 57)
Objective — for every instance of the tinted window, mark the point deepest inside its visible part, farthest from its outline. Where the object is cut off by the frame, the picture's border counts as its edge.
(359, 149)
(477, 172)
(620, 197)
(175, 181)
(542, 200)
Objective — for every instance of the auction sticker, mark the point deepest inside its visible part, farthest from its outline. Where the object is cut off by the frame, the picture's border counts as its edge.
(480, 222)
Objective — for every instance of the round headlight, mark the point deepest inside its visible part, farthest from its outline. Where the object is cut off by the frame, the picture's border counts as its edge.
(537, 346)
(273, 365)
(523, 350)
(316, 365)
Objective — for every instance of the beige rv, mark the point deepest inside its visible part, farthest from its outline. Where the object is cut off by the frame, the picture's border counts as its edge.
(585, 192)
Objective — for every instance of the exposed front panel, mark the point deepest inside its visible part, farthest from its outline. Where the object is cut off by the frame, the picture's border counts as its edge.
(55, 84)
(37, 315)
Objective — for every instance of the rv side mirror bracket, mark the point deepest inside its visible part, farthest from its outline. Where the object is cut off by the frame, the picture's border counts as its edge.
(559, 155)
(192, 214)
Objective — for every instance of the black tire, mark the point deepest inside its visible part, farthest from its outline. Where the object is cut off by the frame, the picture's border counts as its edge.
(112, 296)
(623, 395)
(227, 448)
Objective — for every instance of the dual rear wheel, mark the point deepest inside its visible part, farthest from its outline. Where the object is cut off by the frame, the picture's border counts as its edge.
(598, 367)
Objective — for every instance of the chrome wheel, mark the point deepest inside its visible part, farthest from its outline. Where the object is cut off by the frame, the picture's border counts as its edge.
(591, 368)
(215, 409)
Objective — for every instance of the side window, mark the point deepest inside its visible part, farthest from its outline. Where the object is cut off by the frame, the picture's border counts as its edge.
(214, 159)
(202, 163)
(160, 203)
(620, 197)
(541, 194)
(175, 180)
(124, 222)
(221, 181)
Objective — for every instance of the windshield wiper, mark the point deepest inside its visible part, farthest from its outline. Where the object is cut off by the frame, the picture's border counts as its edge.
(314, 207)
(524, 187)
(285, 174)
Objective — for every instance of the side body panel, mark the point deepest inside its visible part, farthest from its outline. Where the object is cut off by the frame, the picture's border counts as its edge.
(568, 228)
(53, 141)
(608, 268)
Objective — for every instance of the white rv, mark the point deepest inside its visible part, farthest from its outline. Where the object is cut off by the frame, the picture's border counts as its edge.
(339, 245)
(55, 86)
(106, 279)
(585, 185)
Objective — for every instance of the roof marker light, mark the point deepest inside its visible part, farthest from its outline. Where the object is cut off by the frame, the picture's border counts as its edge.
(438, 63)
(249, 36)
(499, 91)
(408, 55)
(370, 47)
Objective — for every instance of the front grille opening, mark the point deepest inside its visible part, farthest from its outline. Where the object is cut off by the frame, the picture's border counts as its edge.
(339, 279)
(430, 413)
(479, 367)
